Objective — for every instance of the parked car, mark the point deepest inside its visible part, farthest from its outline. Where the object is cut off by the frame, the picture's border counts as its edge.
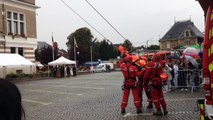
(103, 67)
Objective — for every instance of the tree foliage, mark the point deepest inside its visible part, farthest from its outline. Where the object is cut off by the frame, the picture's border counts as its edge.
(128, 45)
(153, 47)
(107, 50)
(83, 39)
(45, 54)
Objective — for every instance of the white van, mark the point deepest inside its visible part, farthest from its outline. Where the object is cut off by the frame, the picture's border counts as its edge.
(103, 67)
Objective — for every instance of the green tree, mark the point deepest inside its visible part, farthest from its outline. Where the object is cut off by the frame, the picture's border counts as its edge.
(128, 45)
(154, 47)
(83, 38)
(107, 50)
(45, 55)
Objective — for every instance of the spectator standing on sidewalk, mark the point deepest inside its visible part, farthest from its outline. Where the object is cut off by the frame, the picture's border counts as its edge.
(168, 70)
(175, 68)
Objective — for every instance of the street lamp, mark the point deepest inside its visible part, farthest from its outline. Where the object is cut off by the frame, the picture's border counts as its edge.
(91, 44)
(147, 44)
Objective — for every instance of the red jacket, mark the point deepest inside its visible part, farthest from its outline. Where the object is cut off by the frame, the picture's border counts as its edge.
(152, 72)
(130, 72)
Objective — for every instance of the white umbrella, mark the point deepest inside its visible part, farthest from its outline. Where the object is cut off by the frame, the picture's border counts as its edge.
(189, 51)
(192, 60)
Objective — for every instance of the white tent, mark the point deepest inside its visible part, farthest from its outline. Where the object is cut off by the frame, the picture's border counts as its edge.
(62, 61)
(14, 63)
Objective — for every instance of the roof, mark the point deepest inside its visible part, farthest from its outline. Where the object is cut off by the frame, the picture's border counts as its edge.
(62, 60)
(178, 29)
(14, 60)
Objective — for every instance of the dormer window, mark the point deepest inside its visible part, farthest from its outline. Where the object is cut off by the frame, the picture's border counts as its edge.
(188, 33)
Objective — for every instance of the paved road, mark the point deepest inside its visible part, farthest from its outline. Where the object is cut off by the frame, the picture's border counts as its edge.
(95, 97)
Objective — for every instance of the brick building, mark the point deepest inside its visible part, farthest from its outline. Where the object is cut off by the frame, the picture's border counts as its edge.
(18, 27)
(182, 33)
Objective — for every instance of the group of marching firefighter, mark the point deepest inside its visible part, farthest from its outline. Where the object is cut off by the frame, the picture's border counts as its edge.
(141, 74)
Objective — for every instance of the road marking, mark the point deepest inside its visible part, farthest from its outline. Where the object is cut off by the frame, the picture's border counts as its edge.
(181, 99)
(151, 114)
(134, 114)
(79, 87)
(88, 87)
(32, 101)
(107, 84)
(63, 93)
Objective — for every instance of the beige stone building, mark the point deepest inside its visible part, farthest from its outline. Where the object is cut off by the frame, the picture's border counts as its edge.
(182, 33)
(18, 27)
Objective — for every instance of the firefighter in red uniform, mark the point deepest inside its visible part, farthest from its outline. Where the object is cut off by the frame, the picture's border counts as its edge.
(145, 86)
(130, 73)
(152, 78)
(140, 63)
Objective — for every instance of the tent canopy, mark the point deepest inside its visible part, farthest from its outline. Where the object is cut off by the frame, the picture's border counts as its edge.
(14, 60)
(61, 60)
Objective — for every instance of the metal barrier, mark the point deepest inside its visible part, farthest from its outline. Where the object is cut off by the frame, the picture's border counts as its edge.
(188, 79)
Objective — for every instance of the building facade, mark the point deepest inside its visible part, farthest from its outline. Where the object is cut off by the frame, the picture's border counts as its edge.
(182, 33)
(18, 27)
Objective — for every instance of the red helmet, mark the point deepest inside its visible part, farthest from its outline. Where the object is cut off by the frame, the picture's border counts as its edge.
(142, 62)
(157, 57)
(128, 59)
(135, 58)
(143, 58)
(164, 77)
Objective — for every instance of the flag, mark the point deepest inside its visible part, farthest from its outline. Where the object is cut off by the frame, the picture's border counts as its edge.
(75, 43)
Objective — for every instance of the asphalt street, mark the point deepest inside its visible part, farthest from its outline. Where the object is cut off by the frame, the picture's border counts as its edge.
(96, 96)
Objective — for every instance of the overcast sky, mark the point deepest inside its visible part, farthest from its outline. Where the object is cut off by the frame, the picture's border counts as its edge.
(136, 20)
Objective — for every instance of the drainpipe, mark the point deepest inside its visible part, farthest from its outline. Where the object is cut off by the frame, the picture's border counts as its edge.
(3, 32)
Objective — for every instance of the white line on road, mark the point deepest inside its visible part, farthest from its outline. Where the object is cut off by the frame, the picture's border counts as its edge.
(63, 93)
(32, 101)
(142, 114)
(107, 84)
(151, 114)
(79, 87)
(181, 99)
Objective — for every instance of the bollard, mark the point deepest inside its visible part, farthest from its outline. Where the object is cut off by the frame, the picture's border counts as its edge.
(201, 108)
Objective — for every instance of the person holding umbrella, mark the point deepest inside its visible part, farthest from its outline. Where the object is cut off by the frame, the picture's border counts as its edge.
(192, 65)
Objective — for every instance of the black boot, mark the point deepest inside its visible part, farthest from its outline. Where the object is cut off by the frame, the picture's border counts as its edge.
(150, 106)
(123, 111)
(139, 111)
(165, 112)
(158, 113)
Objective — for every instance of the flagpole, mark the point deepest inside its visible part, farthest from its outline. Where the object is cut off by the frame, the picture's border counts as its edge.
(53, 47)
(75, 53)
(91, 54)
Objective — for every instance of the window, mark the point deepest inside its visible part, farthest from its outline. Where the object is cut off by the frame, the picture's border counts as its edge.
(21, 51)
(187, 42)
(12, 50)
(167, 45)
(187, 33)
(15, 23)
